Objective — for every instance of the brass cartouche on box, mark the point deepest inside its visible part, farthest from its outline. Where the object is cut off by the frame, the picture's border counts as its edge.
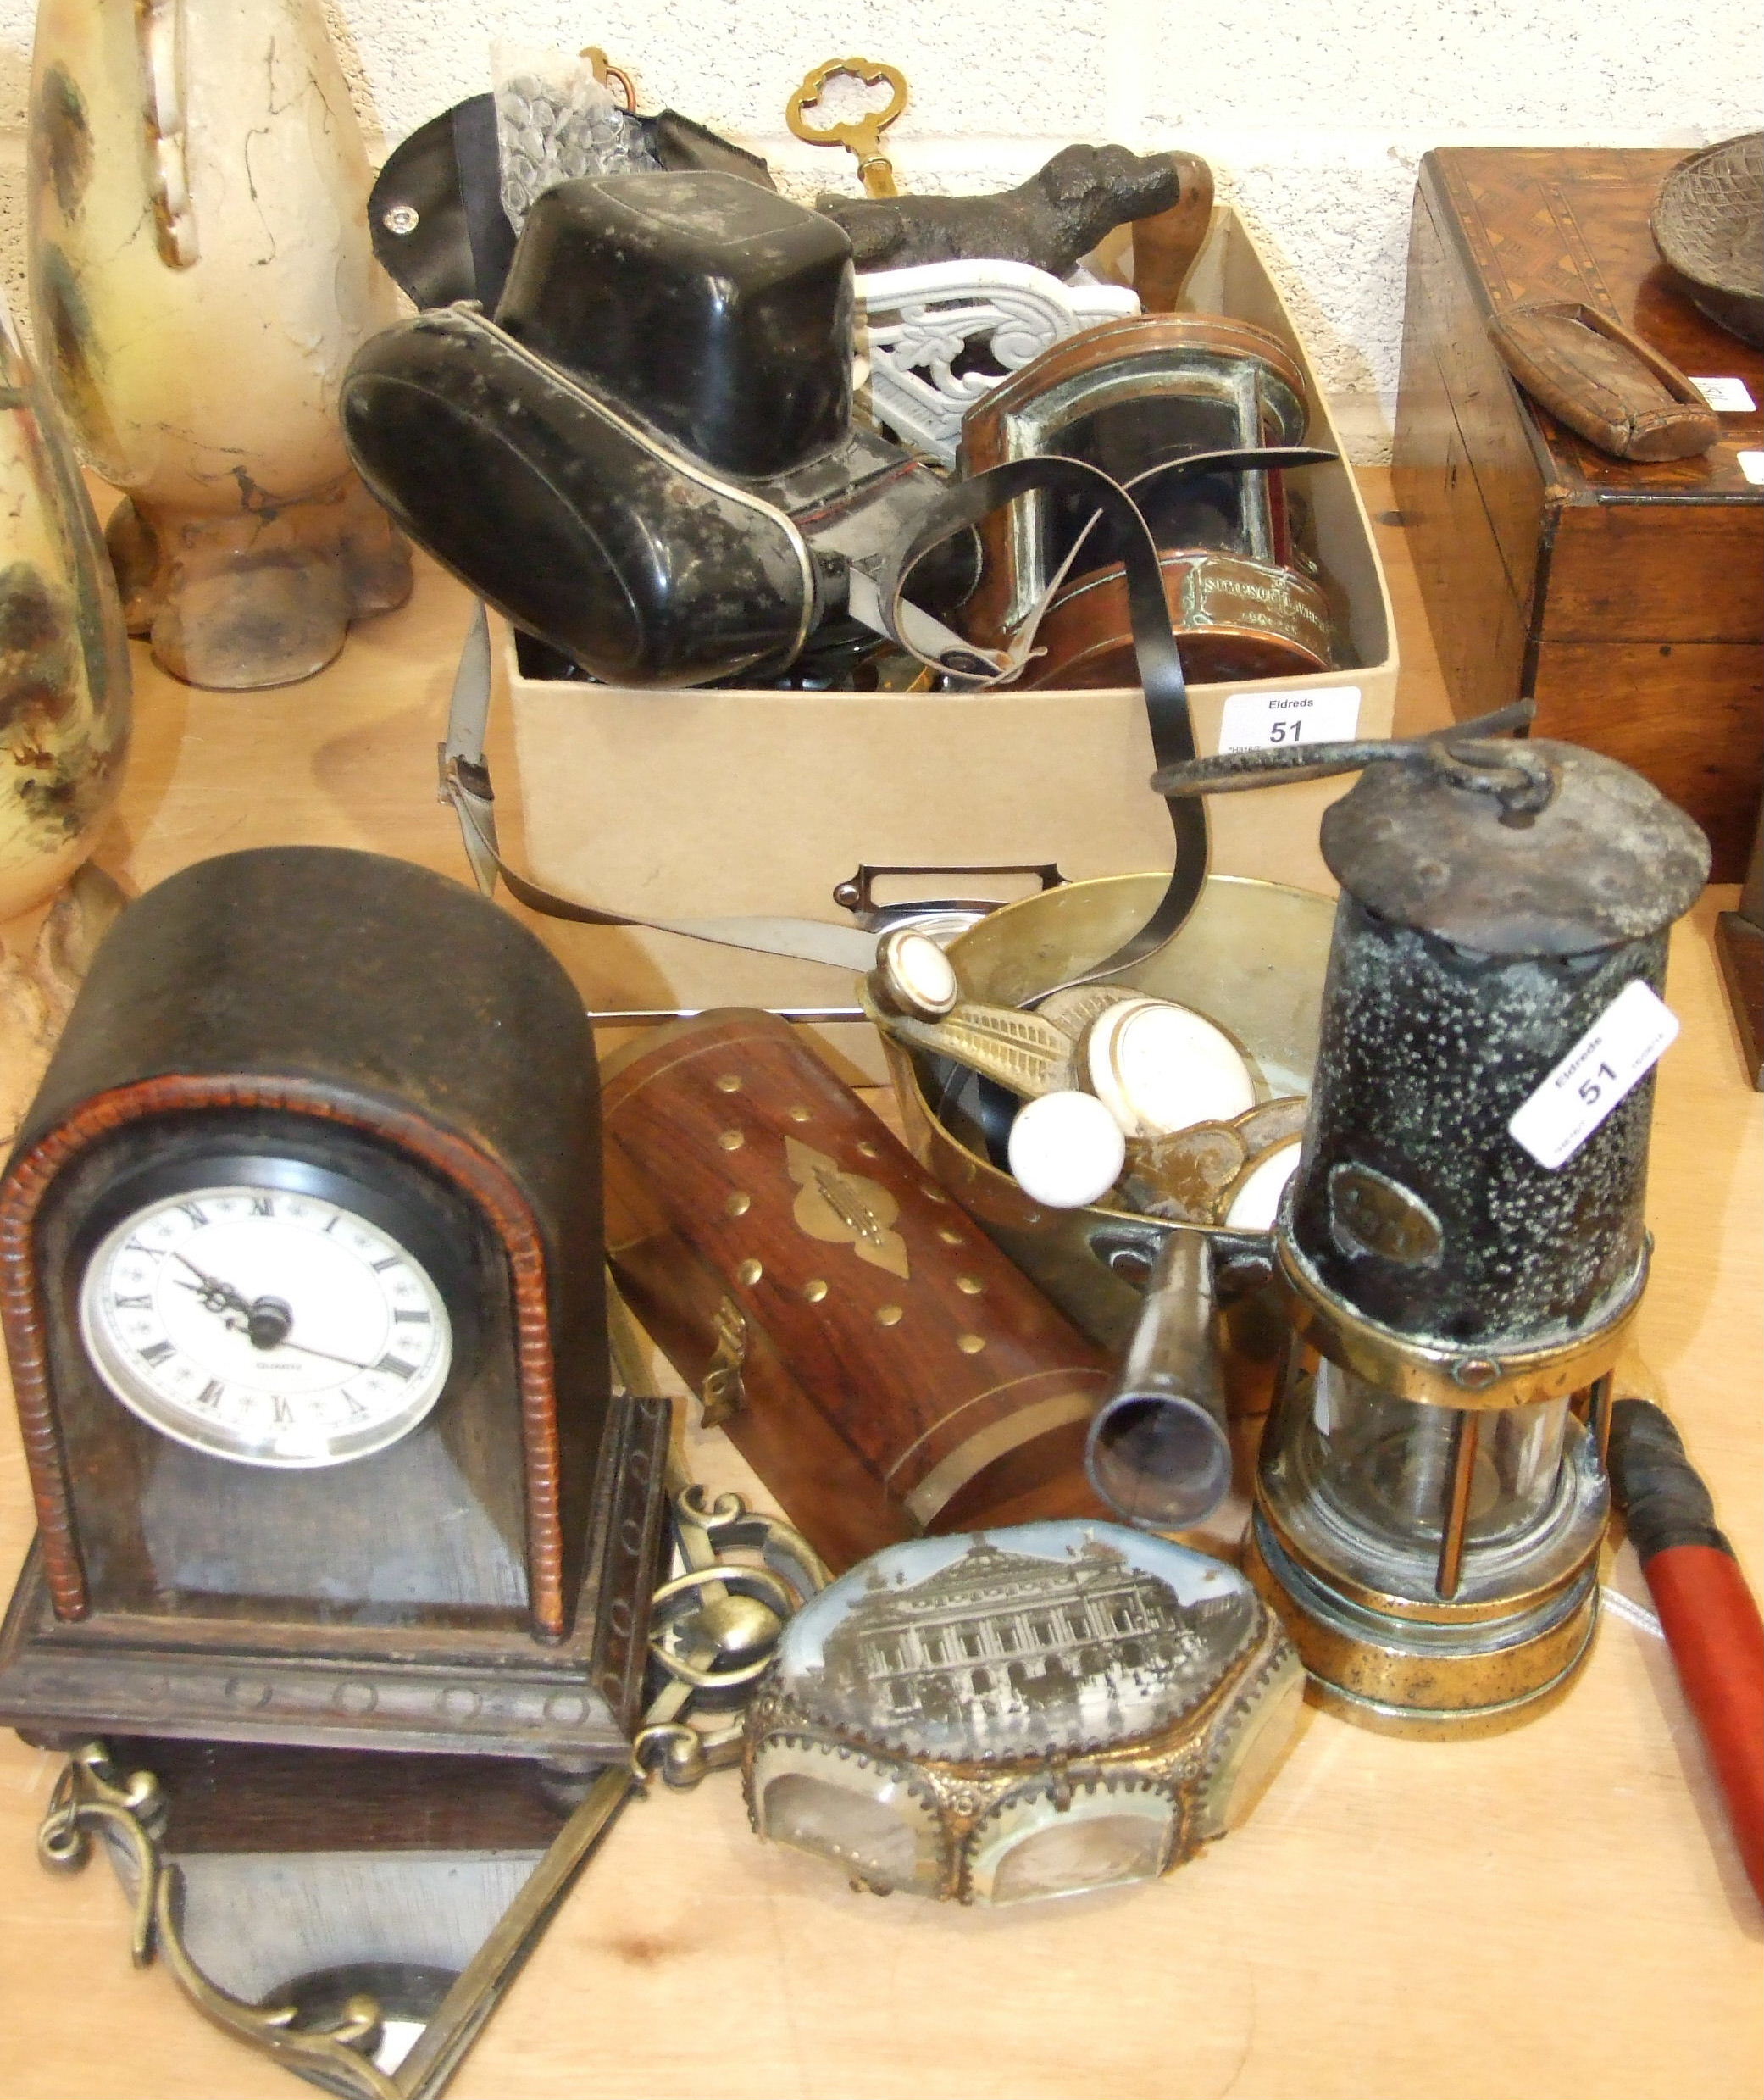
(1463, 1244)
(1020, 1713)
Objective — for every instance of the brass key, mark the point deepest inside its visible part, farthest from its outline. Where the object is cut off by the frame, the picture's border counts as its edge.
(863, 137)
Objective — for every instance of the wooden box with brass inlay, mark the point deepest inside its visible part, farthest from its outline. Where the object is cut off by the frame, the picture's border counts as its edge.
(1627, 596)
(873, 1357)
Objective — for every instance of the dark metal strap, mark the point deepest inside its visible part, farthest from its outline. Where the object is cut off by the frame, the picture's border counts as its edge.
(1158, 659)
(1231, 771)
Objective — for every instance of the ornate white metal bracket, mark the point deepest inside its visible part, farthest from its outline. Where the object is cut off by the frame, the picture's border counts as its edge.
(940, 334)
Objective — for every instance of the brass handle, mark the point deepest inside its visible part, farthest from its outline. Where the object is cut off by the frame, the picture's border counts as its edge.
(1159, 1452)
(863, 136)
(159, 52)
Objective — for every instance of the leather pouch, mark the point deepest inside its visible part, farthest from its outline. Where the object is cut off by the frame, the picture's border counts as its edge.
(1605, 383)
(880, 1364)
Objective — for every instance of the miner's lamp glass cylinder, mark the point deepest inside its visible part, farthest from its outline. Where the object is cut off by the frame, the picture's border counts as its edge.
(1436, 1565)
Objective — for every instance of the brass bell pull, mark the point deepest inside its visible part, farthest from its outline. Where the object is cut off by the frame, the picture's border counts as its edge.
(863, 137)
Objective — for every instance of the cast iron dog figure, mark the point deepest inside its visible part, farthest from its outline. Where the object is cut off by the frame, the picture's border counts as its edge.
(1052, 221)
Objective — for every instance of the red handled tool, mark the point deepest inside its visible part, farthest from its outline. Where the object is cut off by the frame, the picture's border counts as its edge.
(1709, 1616)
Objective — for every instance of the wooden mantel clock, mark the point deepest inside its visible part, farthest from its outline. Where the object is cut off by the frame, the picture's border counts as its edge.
(300, 1269)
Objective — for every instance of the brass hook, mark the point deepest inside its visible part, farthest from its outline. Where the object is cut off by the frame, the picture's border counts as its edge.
(862, 137)
(611, 76)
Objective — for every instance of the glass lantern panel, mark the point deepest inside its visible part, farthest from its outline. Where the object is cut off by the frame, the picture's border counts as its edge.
(1384, 1463)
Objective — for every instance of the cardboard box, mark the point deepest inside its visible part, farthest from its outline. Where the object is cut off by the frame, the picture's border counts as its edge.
(691, 803)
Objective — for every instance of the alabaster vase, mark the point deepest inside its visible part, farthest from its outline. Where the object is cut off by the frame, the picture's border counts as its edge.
(201, 276)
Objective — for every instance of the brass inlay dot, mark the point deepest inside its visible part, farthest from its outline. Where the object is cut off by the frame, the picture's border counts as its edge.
(732, 1140)
(970, 1345)
(948, 1235)
(749, 1271)
(889, 1315)
(815, 1289)
(739, 1204)
(867, 1149)
(970, 1287)
(729, 1084)
(800, 1115)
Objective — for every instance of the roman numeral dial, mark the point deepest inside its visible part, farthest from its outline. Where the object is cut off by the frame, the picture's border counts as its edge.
(265, 1327)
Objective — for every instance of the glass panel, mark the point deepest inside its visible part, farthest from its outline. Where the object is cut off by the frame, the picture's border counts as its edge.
(1383, 1465)
(856, 1832)
(1126, 437)
(1079, 1852)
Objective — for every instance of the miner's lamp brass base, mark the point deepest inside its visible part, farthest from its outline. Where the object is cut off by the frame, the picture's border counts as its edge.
(1403, 1678)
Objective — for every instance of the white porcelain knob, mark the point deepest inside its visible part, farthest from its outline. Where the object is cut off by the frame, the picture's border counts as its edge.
(1160, 1068)
(1254, 1202)
(1066, 1149)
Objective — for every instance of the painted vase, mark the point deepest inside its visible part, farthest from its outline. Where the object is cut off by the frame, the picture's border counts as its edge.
(63, 727)
(64, 657)
(201, 276)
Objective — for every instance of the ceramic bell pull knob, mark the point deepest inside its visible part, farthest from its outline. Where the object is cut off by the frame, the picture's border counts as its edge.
(913, 977)
(1252, 1202)
(1156, 1066)
(1160, 1068)
(1065, 1150)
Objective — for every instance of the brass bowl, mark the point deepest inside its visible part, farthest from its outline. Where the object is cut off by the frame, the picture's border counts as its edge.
(1252, 958)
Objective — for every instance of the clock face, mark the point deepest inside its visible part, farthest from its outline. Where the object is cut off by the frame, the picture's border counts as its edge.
(266, 1325)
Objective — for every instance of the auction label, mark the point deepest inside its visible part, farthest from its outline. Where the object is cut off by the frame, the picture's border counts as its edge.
(1320, 715)
(1751, 465)
(1727, 396)
(1620, 1048)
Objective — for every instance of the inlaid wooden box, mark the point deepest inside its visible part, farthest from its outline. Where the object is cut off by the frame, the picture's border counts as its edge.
(1628, 599)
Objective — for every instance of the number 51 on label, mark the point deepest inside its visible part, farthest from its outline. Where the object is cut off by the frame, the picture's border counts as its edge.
(1255, 721)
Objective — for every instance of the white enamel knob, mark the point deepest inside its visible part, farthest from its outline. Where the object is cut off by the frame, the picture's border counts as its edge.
(1160, 1068)
(1254, 1201)
(1066, 1149)
(916, 976)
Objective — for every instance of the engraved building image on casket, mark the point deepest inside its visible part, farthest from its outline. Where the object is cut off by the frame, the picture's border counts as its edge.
(999, 1653)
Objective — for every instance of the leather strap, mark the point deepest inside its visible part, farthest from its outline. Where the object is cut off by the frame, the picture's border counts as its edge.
(465, 783)
(879, 596)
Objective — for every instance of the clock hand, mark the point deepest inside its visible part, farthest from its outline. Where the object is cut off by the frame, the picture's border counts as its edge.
(269, 1324)
(215, 1295)
(264, 1321)
(307, 1349)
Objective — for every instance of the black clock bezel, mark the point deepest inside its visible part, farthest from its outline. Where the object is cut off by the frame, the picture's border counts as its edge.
(270, 1174)
(208, 1154)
